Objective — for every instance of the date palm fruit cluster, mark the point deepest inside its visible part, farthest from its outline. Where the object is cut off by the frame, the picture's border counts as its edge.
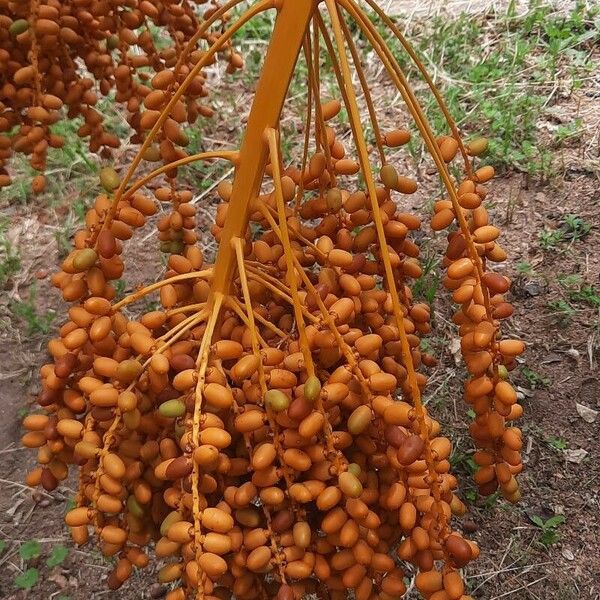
(262, 433)
(57, 59)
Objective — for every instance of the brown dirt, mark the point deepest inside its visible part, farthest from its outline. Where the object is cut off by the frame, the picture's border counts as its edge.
(514, 563)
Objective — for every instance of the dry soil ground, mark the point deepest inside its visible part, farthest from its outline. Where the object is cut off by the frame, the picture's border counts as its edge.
(556, 293)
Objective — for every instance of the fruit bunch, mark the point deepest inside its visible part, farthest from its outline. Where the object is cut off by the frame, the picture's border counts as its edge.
(57, 59)
(265, 427)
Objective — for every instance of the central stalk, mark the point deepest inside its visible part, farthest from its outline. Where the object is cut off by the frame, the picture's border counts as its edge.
(280, 62)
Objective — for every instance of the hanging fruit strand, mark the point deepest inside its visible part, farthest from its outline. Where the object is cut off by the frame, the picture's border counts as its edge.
(164, 115)
(500, 446)
(388, 22)
(201, 365)
(390, 281)
(362, 78)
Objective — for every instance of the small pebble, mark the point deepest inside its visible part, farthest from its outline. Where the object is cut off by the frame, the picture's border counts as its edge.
(157, 590)
(470, 526)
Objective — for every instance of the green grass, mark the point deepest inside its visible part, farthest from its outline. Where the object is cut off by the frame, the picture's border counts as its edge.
(534, 379)
(27, 313)
(548, 529)
(577, 291)
(71, 171)
(10, 261)
(30, 553)
(463, 463)
(426, 287)
(524, 268)
(68, 224)
(120, 287)
(585, 294)
(572, 229)
(569, 132)
(562, 310)
(557, 443)
(577, 297)
(498, 72)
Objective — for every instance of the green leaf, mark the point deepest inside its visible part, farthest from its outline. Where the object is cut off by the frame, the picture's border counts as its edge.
(538, 521)
(555, 521)
(471, 495)
(57, 556)
(30, 549)
(70, 504)
(27, 580)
